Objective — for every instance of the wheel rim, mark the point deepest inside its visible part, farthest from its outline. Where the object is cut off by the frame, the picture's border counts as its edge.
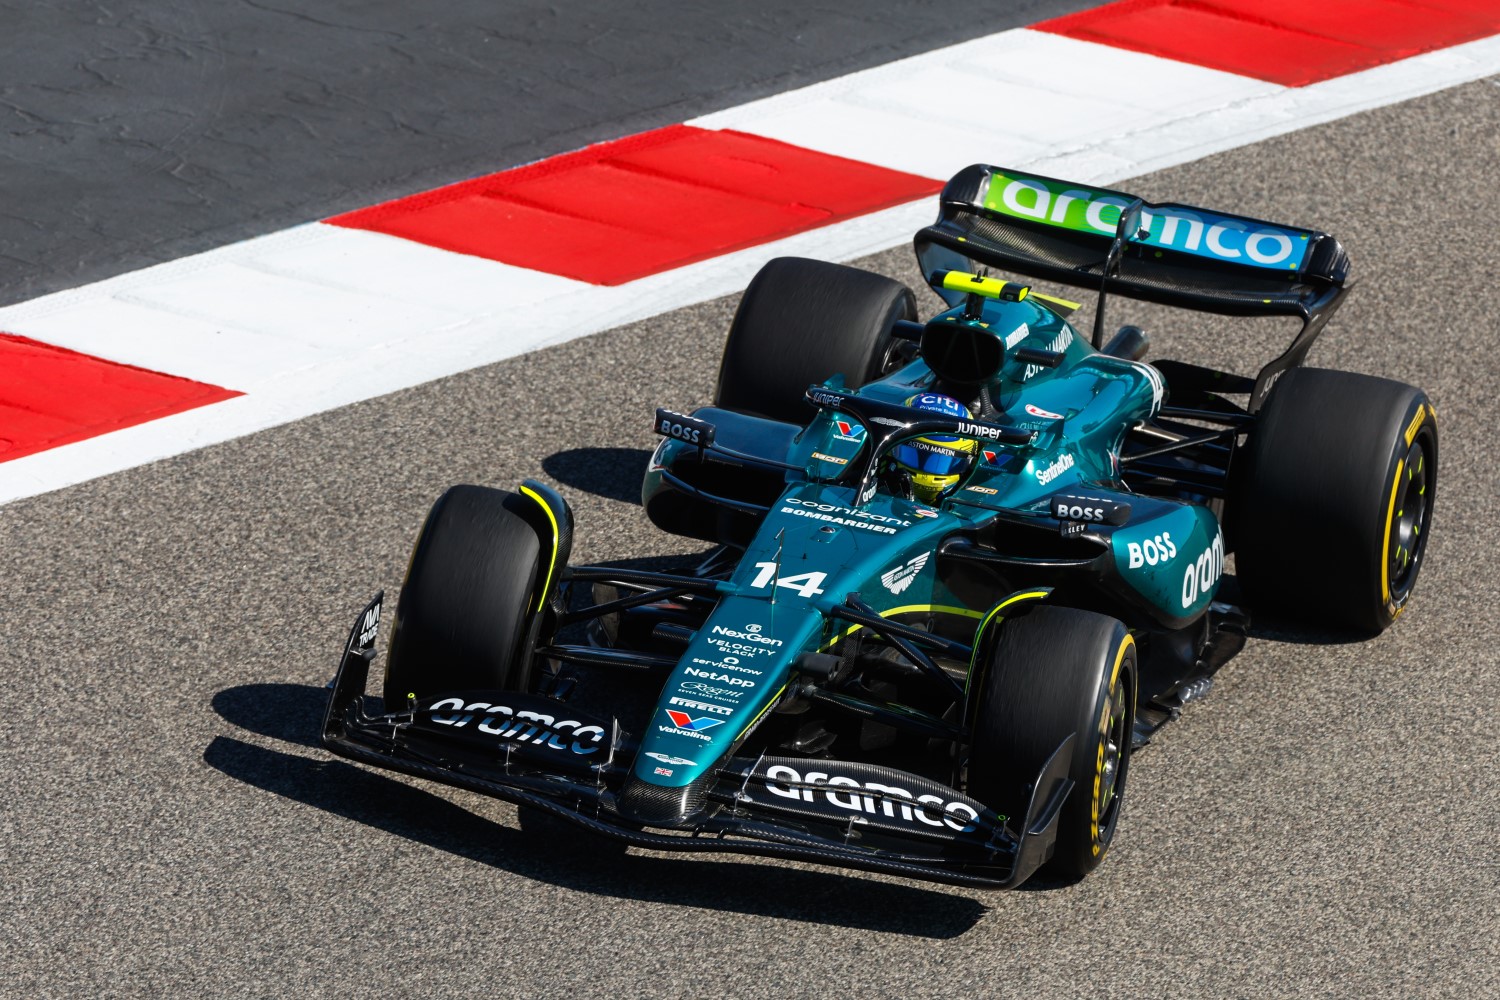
(1409, 519)
(1114, 749)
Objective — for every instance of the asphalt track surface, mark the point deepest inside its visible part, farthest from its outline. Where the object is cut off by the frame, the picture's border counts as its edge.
(1322, 825)
(141, 132)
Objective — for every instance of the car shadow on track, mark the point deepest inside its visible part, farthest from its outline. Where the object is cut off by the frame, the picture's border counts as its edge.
(1275, 627)
(554, 852)
(613, 473)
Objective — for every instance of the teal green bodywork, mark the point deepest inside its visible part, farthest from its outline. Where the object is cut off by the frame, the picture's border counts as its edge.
(816, 546)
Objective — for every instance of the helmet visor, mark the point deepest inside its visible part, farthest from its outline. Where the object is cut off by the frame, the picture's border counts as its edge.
(932, 459)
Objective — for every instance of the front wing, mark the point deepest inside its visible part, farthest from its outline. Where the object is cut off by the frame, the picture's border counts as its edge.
(539, 752)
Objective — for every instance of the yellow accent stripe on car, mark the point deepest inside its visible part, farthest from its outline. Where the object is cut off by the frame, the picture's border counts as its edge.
(944, 609)
(1416, 422)
(751, 724)
(1129, 643)
(990, 288)
(1385, 549)
(1055, 301)
(1029, 595)
(556, 536)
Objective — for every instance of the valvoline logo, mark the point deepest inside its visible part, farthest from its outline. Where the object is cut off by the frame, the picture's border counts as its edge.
(853, 432)
(684, 721)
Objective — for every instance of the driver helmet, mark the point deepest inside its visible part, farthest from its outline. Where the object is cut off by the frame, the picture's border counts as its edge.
(936, 463)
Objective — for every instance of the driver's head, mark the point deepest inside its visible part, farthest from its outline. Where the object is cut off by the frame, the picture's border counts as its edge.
(935, 464)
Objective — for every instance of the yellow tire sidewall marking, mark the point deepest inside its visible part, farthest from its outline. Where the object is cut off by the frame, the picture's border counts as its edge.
(1385, 549)
(556, 537)
(1105, 710)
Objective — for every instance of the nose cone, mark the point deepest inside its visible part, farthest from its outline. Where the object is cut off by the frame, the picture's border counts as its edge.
(656, 805)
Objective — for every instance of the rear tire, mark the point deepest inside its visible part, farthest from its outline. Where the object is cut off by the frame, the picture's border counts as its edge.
(470, 595)
(1047, 674)
(1332, 500)
(802, 321)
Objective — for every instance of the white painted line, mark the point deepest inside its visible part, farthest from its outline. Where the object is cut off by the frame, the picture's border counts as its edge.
(1072, 109)
(1011, 98)
(318, 316)
(1264, 116)
(321, 359)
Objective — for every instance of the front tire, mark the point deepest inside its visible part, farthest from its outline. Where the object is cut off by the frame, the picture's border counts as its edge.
(471, 593)
(1044, 675)
(1333, 495)
(799, 323)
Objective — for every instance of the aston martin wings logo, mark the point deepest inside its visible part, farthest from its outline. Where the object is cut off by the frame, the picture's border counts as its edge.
(898, 579)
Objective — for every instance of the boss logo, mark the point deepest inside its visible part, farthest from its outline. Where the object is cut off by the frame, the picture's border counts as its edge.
(1076, 512)
(1152, 551)
(684, 428)
(681, 432)
(1082, 508)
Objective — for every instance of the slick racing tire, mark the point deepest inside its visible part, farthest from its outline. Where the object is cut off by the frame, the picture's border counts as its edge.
(802, 321)
(1044, 675)
(470, 595)
(1332, 499)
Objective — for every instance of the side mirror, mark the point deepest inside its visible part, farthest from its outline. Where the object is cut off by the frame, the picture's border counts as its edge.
(1128, 228)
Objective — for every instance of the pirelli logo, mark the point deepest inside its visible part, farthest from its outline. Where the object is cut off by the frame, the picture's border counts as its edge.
(1416, 424)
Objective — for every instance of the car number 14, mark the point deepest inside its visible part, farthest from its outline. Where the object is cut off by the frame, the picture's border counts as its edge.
(805, 584)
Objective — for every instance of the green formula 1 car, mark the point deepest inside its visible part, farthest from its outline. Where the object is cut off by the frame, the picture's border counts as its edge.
(964, 567)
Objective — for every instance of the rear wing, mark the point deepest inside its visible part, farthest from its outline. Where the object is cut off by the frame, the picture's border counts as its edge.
(1188, 257)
